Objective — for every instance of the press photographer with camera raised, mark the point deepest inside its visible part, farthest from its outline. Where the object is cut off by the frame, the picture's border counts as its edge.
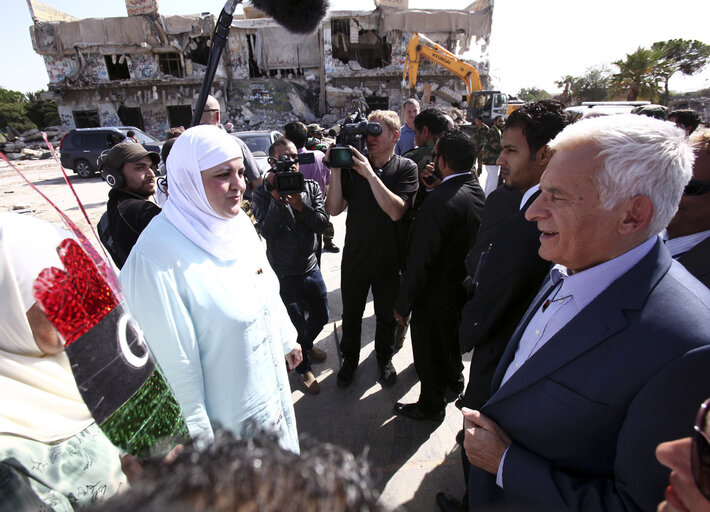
(377, 190)
(290, 215)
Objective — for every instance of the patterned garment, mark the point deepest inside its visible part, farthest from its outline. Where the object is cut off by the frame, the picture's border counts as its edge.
(493, 146)
(67, 474)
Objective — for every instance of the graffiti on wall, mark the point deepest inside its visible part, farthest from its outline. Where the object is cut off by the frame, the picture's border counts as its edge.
(239, 56)
(58, 68)
(65, 115)
(137, 7)
(109, 116)
(155, 121)
(143, 66)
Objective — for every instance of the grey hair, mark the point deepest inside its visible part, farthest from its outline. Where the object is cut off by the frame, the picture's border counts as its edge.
(642, 156)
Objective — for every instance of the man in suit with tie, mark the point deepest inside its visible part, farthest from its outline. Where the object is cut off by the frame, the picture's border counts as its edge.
(509, 271)
(689, 231)
(563, 429)
(442, 234)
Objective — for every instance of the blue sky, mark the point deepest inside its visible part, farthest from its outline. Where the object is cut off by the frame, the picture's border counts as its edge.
(533, 42)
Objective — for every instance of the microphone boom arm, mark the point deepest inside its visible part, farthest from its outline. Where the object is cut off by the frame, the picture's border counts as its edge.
(219, 40)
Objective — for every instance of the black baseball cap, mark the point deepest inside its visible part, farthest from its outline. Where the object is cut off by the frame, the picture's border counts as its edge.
(126, 152)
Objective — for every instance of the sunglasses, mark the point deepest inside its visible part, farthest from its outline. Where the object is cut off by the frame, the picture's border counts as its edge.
(700, 452)
(696, 188)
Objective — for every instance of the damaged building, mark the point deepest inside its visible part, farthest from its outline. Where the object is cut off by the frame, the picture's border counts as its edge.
(146, 69)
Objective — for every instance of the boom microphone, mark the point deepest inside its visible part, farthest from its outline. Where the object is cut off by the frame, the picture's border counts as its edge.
(299, 16)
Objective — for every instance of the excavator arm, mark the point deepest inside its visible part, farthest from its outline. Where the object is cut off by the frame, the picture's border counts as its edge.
(420, 45)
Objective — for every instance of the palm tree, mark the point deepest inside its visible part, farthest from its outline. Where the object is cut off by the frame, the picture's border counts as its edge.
(566, 82)
(638, 76)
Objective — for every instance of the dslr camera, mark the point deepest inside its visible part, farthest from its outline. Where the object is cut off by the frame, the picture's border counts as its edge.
(352, 135)
(286, 181)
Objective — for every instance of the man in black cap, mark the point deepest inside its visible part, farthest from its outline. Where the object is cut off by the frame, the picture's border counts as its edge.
(129, 169)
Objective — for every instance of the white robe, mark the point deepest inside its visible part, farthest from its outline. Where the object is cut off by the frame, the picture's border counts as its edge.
(218, 329)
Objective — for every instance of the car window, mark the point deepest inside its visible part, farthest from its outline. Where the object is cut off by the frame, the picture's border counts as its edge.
(257, 144)
(142, 137)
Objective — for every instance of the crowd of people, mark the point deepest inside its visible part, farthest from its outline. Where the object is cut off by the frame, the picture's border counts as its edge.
(572, 258)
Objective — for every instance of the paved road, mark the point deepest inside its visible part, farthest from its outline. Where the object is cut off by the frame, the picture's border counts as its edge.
(409, 461)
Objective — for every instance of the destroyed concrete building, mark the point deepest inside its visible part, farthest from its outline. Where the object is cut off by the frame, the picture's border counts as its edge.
(146, 69)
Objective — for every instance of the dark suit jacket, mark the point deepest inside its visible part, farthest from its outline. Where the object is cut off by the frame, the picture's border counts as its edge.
(510, 278)
(581, 410)
(697, 261)
(501, 204)
(442, 234)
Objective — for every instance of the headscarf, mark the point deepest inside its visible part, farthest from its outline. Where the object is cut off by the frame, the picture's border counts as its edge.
(187, 208)
(38, 393)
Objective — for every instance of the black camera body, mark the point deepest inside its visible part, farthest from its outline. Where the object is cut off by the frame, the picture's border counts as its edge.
(352, 135)
(285, 181)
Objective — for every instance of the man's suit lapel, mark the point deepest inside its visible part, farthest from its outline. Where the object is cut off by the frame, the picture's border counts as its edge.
(599, 320)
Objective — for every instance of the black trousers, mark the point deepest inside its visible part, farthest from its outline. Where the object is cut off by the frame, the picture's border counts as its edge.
(354, 287)
(437, 358)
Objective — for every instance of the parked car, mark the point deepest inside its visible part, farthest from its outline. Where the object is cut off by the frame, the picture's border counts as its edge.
(258, 142)
(81, 147)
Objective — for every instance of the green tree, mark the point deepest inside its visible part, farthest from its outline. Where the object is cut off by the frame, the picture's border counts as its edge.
(680, 55)
(566, 83)
(42, 112)
(12, 111)
(638, 77)
(592, 86)
(533, 94)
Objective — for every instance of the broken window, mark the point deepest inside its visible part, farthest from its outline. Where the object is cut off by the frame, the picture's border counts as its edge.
(179, 115)
(117, 67)
(350, 42)
(170, 64)
(130, 116)
(199, 50)
(86, 118)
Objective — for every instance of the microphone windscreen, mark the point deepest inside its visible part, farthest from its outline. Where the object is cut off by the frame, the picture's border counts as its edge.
(299, 16)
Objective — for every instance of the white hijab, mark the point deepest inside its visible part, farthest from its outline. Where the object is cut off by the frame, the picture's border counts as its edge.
(187, 208)
(38, 394)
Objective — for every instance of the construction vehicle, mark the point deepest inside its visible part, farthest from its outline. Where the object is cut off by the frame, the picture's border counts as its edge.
(487, 104)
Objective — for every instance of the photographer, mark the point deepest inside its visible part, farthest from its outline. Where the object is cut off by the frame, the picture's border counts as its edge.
(291, 222)
(377, 191)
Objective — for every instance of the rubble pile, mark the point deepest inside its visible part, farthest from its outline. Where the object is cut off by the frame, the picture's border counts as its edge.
(29, 145)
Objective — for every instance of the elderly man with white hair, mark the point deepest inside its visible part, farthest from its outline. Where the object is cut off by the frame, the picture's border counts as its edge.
(588, 384)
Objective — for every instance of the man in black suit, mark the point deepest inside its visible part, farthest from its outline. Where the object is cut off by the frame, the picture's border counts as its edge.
(442, 234)
(511, 272)
(689, 230)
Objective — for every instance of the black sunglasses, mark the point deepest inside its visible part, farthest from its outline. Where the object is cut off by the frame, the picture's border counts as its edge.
(700, 452)
(696, 188)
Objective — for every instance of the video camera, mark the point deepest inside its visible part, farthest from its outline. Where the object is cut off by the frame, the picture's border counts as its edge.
(286, 181)
(352, 135)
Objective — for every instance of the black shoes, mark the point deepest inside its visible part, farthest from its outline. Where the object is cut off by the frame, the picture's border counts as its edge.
(448, 503)
(346, 373)
(329, 246)
(412, 411)
(388, 375)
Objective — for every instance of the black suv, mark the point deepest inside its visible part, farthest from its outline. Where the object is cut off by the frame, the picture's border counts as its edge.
(81, 147)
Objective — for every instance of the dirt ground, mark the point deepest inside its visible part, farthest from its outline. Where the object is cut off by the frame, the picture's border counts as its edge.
(47, 176)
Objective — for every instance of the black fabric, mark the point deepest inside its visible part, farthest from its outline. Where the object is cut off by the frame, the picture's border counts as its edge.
(374, 244)
(292, 237)
(127, 215)
(510, 279)
(354, 286)
(443, 232)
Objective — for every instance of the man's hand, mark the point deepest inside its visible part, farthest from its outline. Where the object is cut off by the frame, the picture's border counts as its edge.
(362, 165)
(294, 358)
(326, 157)
(426, 172)
(294, 200)
(484, 441)
(400, 319)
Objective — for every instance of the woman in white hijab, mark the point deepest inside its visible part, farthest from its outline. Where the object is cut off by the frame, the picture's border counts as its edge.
(47, 435)
(202, 290)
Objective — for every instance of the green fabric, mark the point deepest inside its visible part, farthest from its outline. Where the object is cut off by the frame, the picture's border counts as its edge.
(493, 146)
(67, 474)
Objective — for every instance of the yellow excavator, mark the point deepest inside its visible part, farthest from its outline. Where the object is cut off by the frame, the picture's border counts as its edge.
(487, 104)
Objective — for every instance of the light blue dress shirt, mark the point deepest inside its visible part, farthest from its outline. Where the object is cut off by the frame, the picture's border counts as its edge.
(569, 295)
(406, 140)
